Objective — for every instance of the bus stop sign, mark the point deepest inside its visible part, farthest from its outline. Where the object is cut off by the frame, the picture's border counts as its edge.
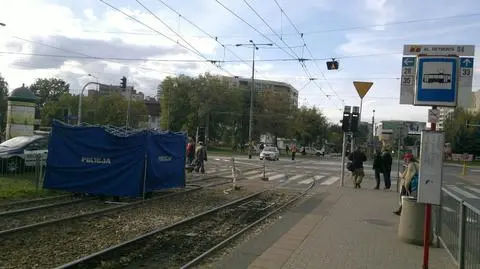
(437, 81)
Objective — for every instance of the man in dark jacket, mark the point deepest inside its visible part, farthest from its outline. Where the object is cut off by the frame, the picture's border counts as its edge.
(378, 168)
(357, 158)
(387, 167)
(200, 158)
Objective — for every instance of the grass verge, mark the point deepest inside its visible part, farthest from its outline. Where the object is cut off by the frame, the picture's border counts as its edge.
(21, 187)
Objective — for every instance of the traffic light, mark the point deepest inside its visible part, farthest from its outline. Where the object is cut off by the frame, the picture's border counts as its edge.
(124, 82)
(332, 65)
(355, 119)
(346, 119)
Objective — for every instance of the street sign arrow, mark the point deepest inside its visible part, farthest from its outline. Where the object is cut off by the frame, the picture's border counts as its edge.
(362, 87)
(407, 61)
(466, 62)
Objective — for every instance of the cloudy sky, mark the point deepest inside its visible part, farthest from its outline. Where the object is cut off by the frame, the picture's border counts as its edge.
(71, 39)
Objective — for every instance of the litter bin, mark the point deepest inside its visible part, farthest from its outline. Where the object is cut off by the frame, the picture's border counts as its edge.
(410, 229)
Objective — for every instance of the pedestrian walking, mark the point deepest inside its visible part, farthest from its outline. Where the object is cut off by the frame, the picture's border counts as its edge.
(357, 158)
(409, 179)
(294, 151)
(200, 158)
(378, 168)
(287, 150)
(387, 167)
(190, 151)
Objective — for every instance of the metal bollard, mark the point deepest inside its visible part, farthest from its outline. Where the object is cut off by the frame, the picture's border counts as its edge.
(461, 237)
(234, 174)
(38, 173)
(265, 178)
(464, 169)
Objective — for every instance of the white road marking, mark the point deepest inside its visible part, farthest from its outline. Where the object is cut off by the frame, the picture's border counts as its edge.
(276, 177)
(250, 172)
(466, 194)
(306, 181)
(330, 181)
(448, 209)
(217, 159)
(260, 175)
(473, 189)
(297, 177)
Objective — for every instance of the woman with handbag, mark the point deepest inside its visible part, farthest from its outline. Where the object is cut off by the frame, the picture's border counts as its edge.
(409, 179)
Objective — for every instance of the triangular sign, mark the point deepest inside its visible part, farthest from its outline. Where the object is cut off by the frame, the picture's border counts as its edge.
(362, 87)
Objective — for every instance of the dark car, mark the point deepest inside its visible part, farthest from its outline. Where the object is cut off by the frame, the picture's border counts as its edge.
(21, 152)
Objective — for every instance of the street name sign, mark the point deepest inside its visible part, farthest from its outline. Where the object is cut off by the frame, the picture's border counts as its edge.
(362, 87)
(436, 81)
(439, 50)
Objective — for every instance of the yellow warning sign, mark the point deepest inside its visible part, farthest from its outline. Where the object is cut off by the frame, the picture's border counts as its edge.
(362, 87)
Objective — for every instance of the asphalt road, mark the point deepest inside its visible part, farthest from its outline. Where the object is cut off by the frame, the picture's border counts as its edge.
(326, 171)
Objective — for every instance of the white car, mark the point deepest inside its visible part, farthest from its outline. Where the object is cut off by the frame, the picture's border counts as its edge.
(270, 153)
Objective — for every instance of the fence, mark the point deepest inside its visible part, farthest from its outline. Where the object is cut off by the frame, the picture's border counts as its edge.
(457, 226)
(21, 173)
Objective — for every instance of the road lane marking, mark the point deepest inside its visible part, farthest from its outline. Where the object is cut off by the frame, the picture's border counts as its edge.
(306, 181)
(466, 194)
(473, 189)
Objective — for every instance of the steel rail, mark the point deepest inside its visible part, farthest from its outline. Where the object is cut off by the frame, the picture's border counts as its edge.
(91, 258)
(105, 210)
(245, 229)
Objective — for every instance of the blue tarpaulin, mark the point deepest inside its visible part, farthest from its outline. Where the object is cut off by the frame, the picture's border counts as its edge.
(92, 160)
(166, 161)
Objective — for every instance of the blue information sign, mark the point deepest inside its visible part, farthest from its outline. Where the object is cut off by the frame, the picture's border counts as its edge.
(437, 81)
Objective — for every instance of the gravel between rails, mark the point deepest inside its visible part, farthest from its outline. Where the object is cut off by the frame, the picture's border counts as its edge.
(174, 247)
(47, 214)
(34, 202)
(53, 245)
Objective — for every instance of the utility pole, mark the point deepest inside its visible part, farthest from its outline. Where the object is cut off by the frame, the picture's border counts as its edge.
(250, 121)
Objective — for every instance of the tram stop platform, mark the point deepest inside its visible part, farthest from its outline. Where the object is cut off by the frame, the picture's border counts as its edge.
(334, 227)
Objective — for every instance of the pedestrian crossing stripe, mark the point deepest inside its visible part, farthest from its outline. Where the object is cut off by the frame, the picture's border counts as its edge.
(260, 175)
(330, 181)
(464, 193)
(297, 177)
(250, 172)
(276, 176)
(473, 189)
(306, 181)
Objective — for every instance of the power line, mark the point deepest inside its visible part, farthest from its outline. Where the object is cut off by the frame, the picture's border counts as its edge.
(412, 21)
(180, 60)
(302, 64)
(203, 31)
(156, 31)
(308, 50)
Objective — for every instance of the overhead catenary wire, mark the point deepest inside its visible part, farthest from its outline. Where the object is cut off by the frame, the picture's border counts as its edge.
(295, 55)
(162, 34)
(308, 50)
(314, 32)
(204, 32)
(181, 60)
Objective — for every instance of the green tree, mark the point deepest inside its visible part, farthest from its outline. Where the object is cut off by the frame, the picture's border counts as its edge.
(273, 113)
(3, 104)
(310, 126)
(49, 89)
(462, 138)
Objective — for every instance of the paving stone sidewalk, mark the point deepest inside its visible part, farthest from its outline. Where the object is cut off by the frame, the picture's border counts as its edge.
(340, 228)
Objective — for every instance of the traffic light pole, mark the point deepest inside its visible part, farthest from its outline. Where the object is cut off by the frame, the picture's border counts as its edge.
(79, 116)
(344, 148)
